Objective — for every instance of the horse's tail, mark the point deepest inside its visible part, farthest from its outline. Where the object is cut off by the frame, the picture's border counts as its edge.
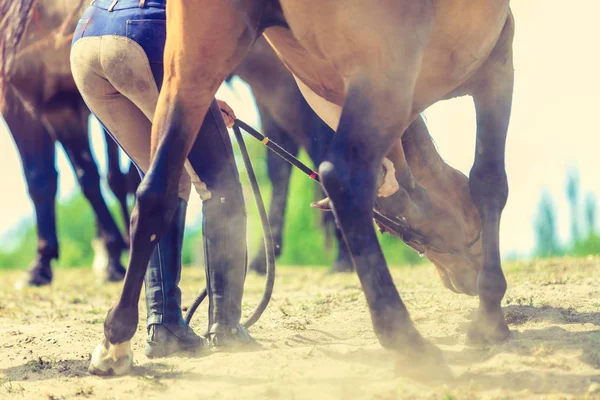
(14, 18)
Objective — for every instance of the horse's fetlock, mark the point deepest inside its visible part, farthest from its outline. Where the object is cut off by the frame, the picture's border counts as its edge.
(489, 184)
(120, 324)
(154, 200)
(491, 285)
(329, 175)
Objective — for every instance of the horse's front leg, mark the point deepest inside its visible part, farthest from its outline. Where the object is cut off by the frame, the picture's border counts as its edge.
(156, 202)
(377, 109)
(489, 186)
(349, 174)
(198, 56)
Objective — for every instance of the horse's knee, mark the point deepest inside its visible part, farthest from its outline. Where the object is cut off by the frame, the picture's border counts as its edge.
(491, 285)
(354, 182)
(41, 184)
(331, 179)
(489, 186)
(156, 205)
(121, 322)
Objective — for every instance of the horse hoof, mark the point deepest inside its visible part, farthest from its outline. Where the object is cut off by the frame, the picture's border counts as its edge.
(416, 357)
(425, 363)
(37, 280)
(342, 265)
(111, 359)
(487, 328)
(40, 274)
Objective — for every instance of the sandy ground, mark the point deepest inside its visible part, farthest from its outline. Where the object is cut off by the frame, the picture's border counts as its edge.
(317, 341)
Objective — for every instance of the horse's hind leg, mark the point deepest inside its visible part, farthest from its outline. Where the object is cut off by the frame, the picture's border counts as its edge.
(37, 152)
(72, 134)
(489, 186)
(117, 181)
(279, 174)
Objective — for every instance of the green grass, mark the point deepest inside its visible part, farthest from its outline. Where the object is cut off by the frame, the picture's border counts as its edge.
(304, 240)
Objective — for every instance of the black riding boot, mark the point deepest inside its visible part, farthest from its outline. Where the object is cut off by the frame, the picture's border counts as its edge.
(224, 228)
(168, 332)
(224, 231)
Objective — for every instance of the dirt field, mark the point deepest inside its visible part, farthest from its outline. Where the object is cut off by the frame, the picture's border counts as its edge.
(317, 340)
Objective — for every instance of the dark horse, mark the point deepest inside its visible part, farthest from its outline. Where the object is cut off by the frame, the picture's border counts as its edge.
(41, 105)
(288, 120)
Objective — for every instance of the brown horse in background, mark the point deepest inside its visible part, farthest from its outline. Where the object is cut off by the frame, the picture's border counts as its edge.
(41, 106)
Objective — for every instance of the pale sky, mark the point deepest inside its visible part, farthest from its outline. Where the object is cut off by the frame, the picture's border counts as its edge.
(553, 127)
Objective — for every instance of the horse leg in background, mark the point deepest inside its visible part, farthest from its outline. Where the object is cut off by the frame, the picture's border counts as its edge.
(133, 180)
(71, 131)
(37, 152)
(279, 175)
(117, 181)
(492, 96)
(320, 136)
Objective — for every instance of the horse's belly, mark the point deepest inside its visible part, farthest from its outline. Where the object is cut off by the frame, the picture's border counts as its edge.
(457, 50)
(316, 72)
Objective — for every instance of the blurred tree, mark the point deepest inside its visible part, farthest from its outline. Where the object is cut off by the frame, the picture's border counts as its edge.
(304, 237)
(546, 240)
(591, 243)
(572, 190)
(590, 213)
